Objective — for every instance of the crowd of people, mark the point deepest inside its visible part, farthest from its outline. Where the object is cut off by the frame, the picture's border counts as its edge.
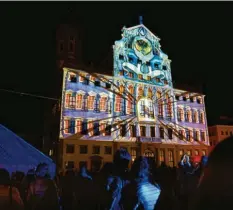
(192, 185)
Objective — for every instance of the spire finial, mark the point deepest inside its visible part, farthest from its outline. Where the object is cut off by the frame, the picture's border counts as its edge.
(140, 20)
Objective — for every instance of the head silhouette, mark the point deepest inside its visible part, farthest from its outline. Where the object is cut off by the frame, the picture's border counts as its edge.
(4, 177)
(217, 182)
(42, 170)
(140, 169)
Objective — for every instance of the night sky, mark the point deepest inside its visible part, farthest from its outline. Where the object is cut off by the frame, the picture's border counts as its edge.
(197, 37)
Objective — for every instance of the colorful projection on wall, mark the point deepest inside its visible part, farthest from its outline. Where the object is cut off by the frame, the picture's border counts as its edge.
(137, 56)
(145, 110)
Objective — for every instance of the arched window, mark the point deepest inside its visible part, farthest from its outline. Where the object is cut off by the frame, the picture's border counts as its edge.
(131, 90)
(188, 136)
(158, 95)
(79, 101)
(140, 92)
(149, 95)
(195, 116)
(90, 102)
(202, 117)
(121, 89)
(188, 115)
(180, 114)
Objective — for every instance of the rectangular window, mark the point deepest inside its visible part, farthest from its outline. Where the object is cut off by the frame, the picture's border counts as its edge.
(70, 165)
(142, 130)
(72, 78)
(170, 158)
(81, 77)
(160, 108)
(108, 130)
(152, 131)
(203, 152)
(82, 164)
(149, 78)
(69, 126)
(79, 101)
(90, 128)
(70, 148)
(71, 46)
(130, 75)
(123, 130)
(102, 128)
(96, 129)
(202, 135)
(90, 102)
(181, 134)
(226, 132)
(161, 133)
(133, 153)
(169, 130)
(188, 135)
(61, 46)
(132, 130)
(140, 76)
(79, 126)
(83, 149)
(157, 79)
(222, 133)
(129, 106)
(181, 153)
(230, 133)
(107, 150)
(161, 156)
(103, 101)
(96, 150)
(118, 103)
(196, 152)
(189, 153)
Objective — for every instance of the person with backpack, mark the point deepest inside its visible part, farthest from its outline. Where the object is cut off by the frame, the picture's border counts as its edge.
(9, 196)
(42, 193)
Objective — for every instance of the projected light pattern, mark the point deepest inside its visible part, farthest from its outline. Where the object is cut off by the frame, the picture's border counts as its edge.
(137, 103)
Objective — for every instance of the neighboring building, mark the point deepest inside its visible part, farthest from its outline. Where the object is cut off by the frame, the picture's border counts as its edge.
(136, 108)
(218, 133)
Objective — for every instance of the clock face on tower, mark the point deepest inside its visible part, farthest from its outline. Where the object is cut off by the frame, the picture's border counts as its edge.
(139, 54)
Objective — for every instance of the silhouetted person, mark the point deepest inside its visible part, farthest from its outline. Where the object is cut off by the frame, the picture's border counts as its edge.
(42, 193)
(67, 187)
(84, 191)
(9, 195)
(140, 193)
(117, 180)
(216, 186)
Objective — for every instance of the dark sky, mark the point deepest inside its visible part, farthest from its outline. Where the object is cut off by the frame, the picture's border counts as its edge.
(198, 38)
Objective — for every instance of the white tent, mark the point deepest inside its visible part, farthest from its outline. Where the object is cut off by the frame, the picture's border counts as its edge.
(17, 155)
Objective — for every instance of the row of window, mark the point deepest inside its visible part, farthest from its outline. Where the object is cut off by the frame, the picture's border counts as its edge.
(99, 128)
(140, 77)
(191, 115)
(71, 45)
(191, 99)
(147, 153)
(83, 149)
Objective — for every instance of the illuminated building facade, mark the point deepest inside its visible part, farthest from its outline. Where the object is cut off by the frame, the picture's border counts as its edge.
(218, 133)
(136, 108)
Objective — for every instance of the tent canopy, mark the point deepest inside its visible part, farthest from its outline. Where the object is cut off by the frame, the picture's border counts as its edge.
(17, 155)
